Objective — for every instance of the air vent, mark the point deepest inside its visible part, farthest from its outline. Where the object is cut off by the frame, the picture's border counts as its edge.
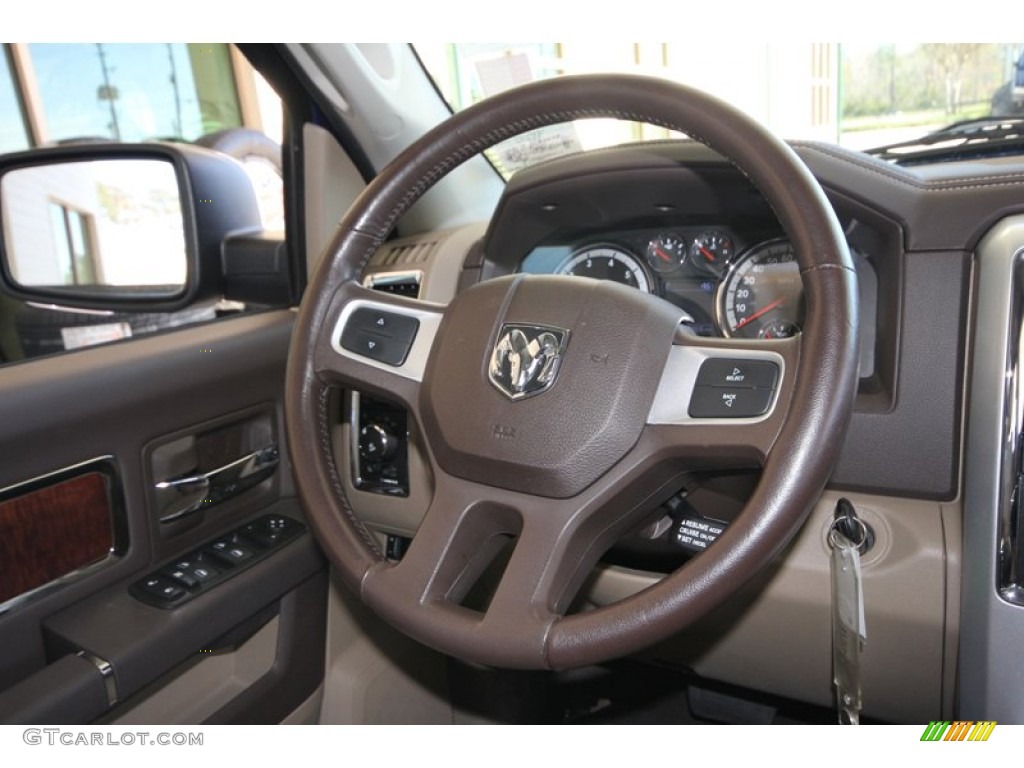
(405, 284)
(405, 255)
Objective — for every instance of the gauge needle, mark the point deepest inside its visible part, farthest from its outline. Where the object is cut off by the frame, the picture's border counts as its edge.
(751, 318)
(661, 254)
(707, 254)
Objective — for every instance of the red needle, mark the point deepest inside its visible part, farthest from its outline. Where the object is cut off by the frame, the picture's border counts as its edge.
(759, 312)
(707, 254)
(661, 254)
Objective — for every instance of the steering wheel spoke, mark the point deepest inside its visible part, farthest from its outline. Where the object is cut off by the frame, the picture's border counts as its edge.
(722, 402)
(376, 342)
(503, 567)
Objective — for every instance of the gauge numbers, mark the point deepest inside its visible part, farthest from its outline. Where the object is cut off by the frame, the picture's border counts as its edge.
(607, 262)
(762, 296)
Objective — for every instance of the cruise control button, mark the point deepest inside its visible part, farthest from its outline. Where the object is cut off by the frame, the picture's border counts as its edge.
(384, 349)
(733, 373)
(729, 402)
(399, 327)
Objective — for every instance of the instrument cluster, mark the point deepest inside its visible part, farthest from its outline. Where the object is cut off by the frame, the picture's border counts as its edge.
(728, 283)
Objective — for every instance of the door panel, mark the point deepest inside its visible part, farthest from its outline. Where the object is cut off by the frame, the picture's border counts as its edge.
(121, 401)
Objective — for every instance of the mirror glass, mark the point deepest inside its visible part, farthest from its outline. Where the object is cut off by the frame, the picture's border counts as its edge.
(99, 227)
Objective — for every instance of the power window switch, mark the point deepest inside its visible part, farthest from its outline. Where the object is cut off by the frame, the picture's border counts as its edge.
(231, 552)
(203, 573)
(193, 577)
(162, 588)
(182, 576)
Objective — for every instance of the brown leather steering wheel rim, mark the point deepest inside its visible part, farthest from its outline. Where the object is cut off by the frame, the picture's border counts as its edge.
(809, 437)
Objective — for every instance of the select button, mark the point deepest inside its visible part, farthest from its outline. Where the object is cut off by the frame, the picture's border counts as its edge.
(733, 373)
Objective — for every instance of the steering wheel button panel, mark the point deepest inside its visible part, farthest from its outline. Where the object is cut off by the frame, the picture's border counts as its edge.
(730, 372)
(375, 334)
(701, 383)
(376, 321)
(729, 402)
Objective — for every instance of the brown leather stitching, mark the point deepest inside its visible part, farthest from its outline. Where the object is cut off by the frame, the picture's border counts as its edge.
(816, 267)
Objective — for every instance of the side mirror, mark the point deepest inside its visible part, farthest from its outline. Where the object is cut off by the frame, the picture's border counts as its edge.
(120, 226)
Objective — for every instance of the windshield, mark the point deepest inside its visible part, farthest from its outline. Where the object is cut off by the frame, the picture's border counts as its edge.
(861, 96)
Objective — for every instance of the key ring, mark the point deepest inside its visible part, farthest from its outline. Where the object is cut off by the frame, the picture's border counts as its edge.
(833, 531)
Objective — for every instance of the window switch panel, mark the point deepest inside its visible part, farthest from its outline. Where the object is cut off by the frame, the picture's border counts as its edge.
(193, 573)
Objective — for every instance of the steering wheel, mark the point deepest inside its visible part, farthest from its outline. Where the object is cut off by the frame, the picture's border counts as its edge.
(557, 412)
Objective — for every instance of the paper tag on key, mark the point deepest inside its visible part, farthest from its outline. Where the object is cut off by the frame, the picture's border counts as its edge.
(848, 628)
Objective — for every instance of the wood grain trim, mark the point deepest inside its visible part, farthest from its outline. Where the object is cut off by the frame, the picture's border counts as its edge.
(52, 531)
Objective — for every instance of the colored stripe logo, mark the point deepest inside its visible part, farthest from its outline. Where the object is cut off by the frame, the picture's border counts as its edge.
(958, 730)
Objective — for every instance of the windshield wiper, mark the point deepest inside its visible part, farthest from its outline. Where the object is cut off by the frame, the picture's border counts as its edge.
(967, 139)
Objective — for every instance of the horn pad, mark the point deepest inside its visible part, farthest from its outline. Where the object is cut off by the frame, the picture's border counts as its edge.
(542, 383)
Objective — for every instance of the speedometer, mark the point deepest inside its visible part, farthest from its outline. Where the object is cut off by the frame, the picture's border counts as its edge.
(762, 296)
(607, 262)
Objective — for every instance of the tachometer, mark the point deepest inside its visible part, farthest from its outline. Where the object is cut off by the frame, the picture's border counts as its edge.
(762, 295)
(607, 262)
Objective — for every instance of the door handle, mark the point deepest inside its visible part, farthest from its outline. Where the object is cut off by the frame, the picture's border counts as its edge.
(181, 496)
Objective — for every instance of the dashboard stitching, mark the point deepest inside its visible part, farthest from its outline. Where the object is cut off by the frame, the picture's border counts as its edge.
(968, 182)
